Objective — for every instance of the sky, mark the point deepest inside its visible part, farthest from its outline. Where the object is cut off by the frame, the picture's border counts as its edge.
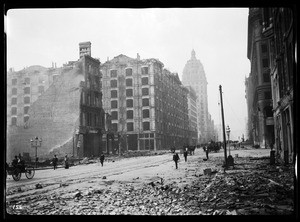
(218, 36)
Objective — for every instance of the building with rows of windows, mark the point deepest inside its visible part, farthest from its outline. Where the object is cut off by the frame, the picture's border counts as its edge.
(23, 88)
(272, 42)
(147, 104)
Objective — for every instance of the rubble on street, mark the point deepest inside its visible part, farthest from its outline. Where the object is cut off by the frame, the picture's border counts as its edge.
(251, 187)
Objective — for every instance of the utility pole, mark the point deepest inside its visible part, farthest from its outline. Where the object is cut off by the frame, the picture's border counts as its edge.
(223, 125)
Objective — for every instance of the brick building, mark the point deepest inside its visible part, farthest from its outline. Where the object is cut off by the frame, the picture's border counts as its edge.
(23, 89)
(147, 103)
(69, 111)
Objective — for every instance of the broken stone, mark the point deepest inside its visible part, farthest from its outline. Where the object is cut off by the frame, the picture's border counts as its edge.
(38, 186)
(207, 171)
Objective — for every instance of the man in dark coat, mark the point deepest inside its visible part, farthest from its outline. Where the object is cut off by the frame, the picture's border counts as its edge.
(54, 162)
(185, 154)
(66, 162)
(176, 158)
(102, 157)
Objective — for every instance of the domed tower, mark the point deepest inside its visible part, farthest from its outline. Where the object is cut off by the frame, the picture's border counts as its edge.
(194, 76)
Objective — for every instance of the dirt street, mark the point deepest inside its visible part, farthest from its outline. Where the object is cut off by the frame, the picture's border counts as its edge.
(147, 185)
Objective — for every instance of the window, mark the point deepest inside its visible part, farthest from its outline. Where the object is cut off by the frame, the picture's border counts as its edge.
(128, 72)
(114, 127)
(129, 114)
(145, 81)
(114, 104)
(14, 82)
(146, 113)
(266, 77)
(114, 115)
(144, 70)
(14, 91)
(113, 83)
(27, 80)
(114, 94)
(129, 102)
(41, 89)
(264, 48)
(129, 126)
(113, 73)
(265, 63)
(14, 111)
(26, 99)
(267, 95)
(27, 90)
(145, 91)
(128, 82)
(14, 101)
(146, 125)
(129, 92)
(14, 121)
(26, 109)
(145, 102)
(26, 118)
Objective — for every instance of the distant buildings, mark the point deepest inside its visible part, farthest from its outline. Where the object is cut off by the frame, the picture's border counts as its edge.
(193, 116)
(194, 76)
(269, 88)
(148, 104)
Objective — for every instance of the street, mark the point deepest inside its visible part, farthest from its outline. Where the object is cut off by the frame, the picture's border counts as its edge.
(120, 187)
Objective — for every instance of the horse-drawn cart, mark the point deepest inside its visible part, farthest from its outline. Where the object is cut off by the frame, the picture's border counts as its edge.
(16, 172)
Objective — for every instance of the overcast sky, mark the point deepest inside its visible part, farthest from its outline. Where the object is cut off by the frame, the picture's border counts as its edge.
(218, 36)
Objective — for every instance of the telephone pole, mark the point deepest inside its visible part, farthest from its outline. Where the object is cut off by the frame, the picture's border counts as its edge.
(223, 125)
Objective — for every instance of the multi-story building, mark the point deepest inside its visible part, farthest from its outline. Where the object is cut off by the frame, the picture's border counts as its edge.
(194, 76)
(193, 121)
(147, 103)
(258, 84)
(23, 89)
(68, 116)
(269, 87)
(279, 26)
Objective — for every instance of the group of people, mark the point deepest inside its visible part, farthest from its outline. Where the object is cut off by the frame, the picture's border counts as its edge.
(66, 161)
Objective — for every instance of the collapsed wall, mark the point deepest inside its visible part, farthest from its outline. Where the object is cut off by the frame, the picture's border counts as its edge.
(52, 117)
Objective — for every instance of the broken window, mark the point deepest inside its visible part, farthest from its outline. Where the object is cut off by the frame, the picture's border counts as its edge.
(128, 82)
(129, 72)
(129, 114)
(146, 125)
(114, 94)
(145, 81)
(114, 104)
(145, 91)
(113, 83)
(146, 113)
(129, 92)
(146, 102)
(129, 102)
(129, 126)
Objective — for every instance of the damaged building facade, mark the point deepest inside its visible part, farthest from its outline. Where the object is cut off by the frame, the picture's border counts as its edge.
(147, 103)
(68, 116)
(269, 88)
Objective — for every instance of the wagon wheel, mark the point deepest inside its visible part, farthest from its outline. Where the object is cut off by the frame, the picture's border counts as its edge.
(16, 174)
(29, 172)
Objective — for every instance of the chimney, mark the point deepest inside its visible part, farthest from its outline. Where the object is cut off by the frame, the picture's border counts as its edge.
(138, 56)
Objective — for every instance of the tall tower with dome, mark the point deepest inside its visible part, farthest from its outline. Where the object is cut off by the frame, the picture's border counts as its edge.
(194, 76)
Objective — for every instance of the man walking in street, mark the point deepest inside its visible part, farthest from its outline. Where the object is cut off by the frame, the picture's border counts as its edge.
(185, 154)
(66, 162)
(102, 159)
(176, 158)
(54, 162)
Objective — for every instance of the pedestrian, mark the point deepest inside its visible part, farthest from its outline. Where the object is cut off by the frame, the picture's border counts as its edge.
(102, 157)
(207, 151)
(66, 162)
(54, 162)
(185, 154)
(176, 158)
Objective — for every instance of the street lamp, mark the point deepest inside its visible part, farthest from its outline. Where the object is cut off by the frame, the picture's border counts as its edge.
(36, 142)
(228, 134)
